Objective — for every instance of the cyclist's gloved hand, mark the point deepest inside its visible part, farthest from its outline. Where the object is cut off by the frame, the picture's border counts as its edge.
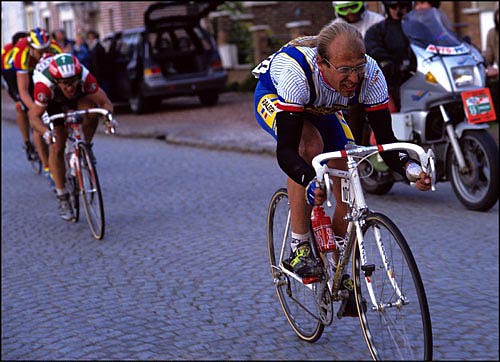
(415, 175)
(48, 137)
(315, 193)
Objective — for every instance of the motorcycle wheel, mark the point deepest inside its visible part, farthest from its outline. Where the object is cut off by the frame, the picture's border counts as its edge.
(374, 181)
(477, 187)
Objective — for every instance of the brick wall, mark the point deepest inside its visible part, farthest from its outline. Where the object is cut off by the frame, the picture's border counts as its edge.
(278, 14)
(122, 15)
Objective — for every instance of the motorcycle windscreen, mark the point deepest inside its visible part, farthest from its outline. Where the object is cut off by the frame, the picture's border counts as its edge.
(425, 27)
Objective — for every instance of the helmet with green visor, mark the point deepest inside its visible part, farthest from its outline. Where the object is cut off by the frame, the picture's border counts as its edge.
(344, 8)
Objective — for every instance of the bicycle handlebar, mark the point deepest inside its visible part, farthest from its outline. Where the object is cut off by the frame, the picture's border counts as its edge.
(426, 158)
(70, 117)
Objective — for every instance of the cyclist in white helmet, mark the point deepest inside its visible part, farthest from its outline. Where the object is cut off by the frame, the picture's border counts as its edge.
(356, 14)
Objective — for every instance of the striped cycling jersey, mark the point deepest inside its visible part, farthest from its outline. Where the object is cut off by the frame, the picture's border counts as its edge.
(7, 52)
(22, 61)
(293, 74)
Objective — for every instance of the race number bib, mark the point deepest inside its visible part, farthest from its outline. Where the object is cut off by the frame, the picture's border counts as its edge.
(263, 67)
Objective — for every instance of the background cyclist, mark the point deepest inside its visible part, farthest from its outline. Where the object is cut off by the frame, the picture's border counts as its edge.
(62, 84)
(299, 99)
(9, 81)
(26, 54)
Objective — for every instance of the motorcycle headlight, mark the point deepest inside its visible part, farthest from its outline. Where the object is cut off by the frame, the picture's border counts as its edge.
(463, 76)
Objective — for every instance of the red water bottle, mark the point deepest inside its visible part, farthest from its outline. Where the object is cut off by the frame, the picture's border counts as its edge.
(323, 231)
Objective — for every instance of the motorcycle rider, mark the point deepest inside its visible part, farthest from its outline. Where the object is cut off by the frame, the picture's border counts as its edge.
(356, 14)
(388, 45)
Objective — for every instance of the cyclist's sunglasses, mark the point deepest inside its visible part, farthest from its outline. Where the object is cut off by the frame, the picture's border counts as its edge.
(68, 81)
(352, 8)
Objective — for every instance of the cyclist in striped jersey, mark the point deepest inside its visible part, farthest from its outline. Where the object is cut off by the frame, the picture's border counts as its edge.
(299, 98)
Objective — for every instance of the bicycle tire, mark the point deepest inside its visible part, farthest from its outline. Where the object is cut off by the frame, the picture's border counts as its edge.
(399, 332)
(74, 193)
(290, 291)
(90, 192)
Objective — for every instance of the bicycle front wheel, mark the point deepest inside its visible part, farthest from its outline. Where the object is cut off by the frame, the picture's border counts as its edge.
(395, 317)
(298, 301)
(73, 189)
(90, 190)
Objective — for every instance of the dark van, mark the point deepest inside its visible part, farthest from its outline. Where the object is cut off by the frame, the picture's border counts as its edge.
(172, 55)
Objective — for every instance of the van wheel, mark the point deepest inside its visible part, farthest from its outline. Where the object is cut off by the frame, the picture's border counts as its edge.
(208, 99)
(137, 103)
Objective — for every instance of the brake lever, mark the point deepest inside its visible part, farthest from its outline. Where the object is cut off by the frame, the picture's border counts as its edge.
(432, 166)
(326, 179)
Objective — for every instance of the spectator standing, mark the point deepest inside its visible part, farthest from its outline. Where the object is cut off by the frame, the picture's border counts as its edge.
(98, 60)
(81, 50)
(59, 36)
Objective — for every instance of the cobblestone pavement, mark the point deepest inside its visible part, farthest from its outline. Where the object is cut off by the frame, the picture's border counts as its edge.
(156, 289)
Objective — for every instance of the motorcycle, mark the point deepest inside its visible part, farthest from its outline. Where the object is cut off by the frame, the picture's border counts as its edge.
(444, 106)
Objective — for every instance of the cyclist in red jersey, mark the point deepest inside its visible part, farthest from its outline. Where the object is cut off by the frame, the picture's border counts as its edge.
(26, 54)
(62, 84)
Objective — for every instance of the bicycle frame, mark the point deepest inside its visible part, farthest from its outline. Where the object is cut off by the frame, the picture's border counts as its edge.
(352, 194)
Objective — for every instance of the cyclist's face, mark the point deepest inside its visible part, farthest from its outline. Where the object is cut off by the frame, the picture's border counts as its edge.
(343, 52)
(38, 53)
(69, 87)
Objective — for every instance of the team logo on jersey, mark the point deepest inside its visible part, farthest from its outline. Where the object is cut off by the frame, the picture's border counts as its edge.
(41, 97)
(92, 87)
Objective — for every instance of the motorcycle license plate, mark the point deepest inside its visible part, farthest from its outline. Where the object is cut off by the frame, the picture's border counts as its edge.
(478, 106)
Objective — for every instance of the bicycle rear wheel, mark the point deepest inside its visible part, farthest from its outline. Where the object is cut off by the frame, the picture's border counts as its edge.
(90, 190)
(395, 328)
(298, 301)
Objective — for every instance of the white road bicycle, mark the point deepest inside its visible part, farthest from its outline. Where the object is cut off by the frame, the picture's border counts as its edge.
(81, 173)
(389, 293)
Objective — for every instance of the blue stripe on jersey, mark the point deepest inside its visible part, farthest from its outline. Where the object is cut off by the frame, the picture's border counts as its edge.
(300, 57)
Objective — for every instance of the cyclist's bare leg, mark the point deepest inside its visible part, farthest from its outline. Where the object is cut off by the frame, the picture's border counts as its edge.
(22, 123)
(311, 144)
(56, 157)
(42, 148)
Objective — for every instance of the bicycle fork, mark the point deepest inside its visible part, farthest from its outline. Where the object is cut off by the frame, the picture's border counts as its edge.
(368, 270)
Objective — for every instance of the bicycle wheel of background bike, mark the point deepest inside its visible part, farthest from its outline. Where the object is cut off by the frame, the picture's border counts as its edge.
(397, 332)
(35, 163)
(73, 189)
(90, 191)
(296, 299)
(34, 160)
